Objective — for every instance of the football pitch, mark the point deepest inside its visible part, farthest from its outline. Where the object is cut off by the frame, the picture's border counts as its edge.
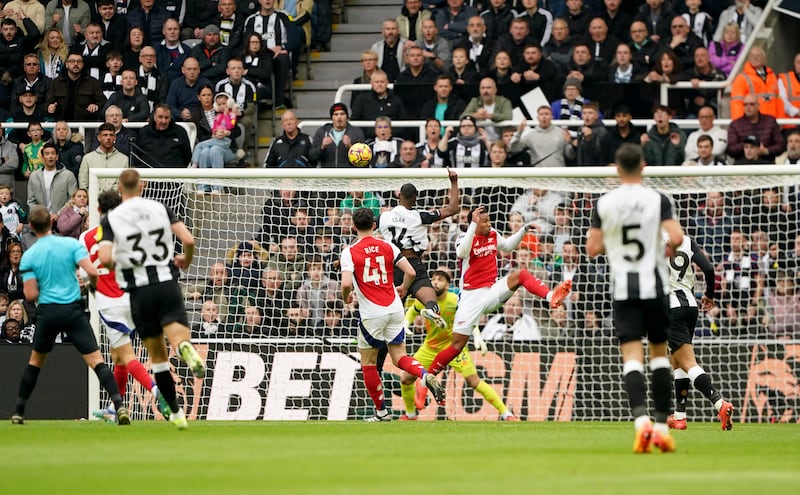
(80, 457)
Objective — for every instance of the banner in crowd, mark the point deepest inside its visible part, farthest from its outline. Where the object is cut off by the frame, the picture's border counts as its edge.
(544, 381)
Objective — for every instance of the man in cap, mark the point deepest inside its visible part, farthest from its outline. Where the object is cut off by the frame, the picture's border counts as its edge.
(332, 141)
(212, 56)
(751, 148)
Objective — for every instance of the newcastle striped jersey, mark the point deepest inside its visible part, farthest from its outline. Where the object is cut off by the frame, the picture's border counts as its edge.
(407, 229)
(141, 231)
(630, 218)
(681, 274)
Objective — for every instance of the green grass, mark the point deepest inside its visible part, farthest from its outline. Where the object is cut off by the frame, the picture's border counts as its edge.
(70, 457)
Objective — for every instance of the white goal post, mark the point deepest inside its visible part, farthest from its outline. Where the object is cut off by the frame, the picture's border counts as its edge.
(291, 366)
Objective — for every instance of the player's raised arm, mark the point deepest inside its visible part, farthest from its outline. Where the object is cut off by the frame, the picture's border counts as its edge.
(594, 238)
(669, 224)
(700, 259)
(453, 200)
(464, 244)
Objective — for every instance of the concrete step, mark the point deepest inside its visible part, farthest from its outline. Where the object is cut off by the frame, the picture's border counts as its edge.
(372, 15)
(319, 100)
(320, 58)
(373, 28)
(353, 4)
(320, 85)
(341, 71)
(353, 42)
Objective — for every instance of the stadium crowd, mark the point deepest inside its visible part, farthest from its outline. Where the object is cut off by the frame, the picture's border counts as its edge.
(168, 61)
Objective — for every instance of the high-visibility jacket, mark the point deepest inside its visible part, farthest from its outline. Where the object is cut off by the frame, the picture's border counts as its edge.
(749, 82)
(792, 87)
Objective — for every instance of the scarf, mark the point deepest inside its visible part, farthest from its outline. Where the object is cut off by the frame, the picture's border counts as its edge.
(573, 113)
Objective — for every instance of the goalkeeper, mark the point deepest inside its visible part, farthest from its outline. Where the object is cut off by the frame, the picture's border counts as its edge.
(439, 338)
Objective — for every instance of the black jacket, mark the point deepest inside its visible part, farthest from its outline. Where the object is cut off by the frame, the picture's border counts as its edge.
(455, 107)
(289, 153)
(162, 149)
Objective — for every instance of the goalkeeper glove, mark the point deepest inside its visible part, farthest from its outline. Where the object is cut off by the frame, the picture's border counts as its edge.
(478, 342)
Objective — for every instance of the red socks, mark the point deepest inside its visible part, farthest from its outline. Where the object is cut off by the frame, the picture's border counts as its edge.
(373, 382)
(533, 284)
(443, 359)
(140, 374)
(411, 365)
(121, 377)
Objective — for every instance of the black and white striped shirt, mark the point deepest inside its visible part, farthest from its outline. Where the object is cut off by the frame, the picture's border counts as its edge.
(141, 232)
(630, 218)
(682, 278)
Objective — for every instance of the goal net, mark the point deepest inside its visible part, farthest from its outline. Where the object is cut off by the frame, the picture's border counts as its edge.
(263, 291)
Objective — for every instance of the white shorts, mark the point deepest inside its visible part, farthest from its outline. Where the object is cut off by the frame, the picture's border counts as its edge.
(474, 303)
(115, 314)
(386, 329)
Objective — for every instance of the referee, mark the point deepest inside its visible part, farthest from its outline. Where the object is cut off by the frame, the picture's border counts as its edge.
(48, 275)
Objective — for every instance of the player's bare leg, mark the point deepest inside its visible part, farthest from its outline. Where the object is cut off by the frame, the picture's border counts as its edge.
(126, 363)
(686, 362)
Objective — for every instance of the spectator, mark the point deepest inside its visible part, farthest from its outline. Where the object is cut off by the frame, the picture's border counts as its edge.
(152, 82)
(27, 111)
(214, 288)
(665, 141)
(335, 323)
(17, 311)
(11, 332)
(755, 122)
(131, 101)
(789, 88)
(407, 157)
(244, 275)
(719, 136)
(759, 80)
(9, 160)
(414, 85)
(94, 50)
(623, 132)
(291, 264)
(540, 21)
(644, 47)
(10, 277)
(71, 16)
(570, 107)
(171, 53)
(476, 45)
(277, 213)
(182, 94)
(703, 71)
(298, 323)
(70, 147)
(783, 308)
(452, 19)
(49, 186)
(602, 45)
(699, 22)
(332, 141)
(390, 49)
(725, 51)
(217, 150)
(741, 284)
(369, 64)
(445, 105)
(712, 226)
(32, 159)
(385, 147)
(703, 152)
(199, 14)
(589, 73)
(231, 25)
(273, 298)
(298, 29)
(316, 290)
(559, 49)
(74, 96)
(361, 199)
(489, 106)
(792, 154)
(112, 77)
(514, 41)
(105, 156)
(624, 70)
(667, 70)
(151, 18)
(52, 53)
(750, 149)
(617, 20)
(536, 72)
(744, 14)
(14, 217)
(656, 15)
(211, 55)
(409, 22)
(243, 92)
(292, 148)
(162, 143)
(427, 147)
(302, 229)
(378, 102)
(256, 69)
(32, 80)
(115, 31)
(682, 41)
(513, 323)
(546, 143)
(210, 324)
(73, 219)
(435, 49)
(465, 78)
(124, 136)
(586, 149)
(252, 324)
(272, 25)
(497, 18)
(467, 147)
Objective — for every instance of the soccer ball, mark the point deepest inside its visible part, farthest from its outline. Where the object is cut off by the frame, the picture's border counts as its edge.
(359, 155)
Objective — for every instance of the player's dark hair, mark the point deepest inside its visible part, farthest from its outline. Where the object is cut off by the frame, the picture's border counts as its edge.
(408, 191)
(441, 273)
(39, 219)
(363, 219)
(108, 200)
(629, 157)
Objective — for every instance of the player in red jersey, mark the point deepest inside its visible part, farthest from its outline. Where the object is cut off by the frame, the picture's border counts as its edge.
(114, 307)
(481, 292)
(367, 272)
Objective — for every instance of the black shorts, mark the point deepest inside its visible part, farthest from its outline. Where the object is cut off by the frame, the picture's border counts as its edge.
(639, 318)
(681, 330)
(52, 319)
(421, 280)
(154, 306)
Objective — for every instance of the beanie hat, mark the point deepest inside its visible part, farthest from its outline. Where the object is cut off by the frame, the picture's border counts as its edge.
(572, 81)
(339, 106)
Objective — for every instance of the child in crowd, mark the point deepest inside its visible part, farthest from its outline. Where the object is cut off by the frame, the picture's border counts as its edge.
(112, 80)
(12, 214)
(31, 158)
